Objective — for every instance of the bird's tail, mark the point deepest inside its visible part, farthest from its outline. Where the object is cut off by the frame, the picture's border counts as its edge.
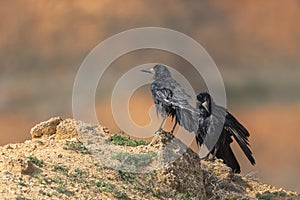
(225, 153)
(241, 135)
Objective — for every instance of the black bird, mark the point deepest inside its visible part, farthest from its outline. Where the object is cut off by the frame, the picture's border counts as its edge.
(171, 100)
(210, 117)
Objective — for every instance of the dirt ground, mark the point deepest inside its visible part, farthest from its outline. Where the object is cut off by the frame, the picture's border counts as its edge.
(273, 132)
(56, 165)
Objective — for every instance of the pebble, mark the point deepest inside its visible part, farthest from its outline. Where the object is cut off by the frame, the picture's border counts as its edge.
(27, 142)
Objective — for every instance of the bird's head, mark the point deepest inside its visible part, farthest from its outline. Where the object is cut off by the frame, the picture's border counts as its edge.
(204, 101)
(159, 71)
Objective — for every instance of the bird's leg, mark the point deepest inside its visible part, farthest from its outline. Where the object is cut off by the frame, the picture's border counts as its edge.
(172, 131)
(162, 123)
(205, 158)
(214, 154)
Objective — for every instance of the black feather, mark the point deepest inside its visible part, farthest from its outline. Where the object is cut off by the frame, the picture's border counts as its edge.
(225, 153)
(171, 100)
(210, 117)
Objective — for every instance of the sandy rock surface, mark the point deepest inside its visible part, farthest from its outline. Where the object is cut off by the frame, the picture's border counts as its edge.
(68, 159)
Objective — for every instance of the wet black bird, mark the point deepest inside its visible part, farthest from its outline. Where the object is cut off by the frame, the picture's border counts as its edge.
(171, 100)
(211, 117)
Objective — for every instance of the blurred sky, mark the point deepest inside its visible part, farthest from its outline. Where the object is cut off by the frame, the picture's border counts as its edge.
(255, 45)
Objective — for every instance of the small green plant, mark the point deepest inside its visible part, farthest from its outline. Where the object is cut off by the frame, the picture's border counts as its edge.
(57, 179)
(76, 146)
(280, 193)
(22, 184)
(34, 160)
(78, 175)
(120, 139)
(36, 176)
(135, 160)
(61, 189)
(104, 186)
(60, 168)
(134, 186)
(236, 198)
(126, 176)
(264, 196)
(184, 196)
(79, 172)
(270, 195)
(86, 186)
(120, 194)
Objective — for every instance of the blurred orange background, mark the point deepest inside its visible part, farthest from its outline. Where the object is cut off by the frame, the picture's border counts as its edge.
(255, 45)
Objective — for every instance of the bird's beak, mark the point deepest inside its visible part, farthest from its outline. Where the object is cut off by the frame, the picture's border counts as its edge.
(205, 105)
(149, 70)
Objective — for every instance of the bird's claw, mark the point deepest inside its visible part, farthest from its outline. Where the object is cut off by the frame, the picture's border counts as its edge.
(207, 158)
(160, 130)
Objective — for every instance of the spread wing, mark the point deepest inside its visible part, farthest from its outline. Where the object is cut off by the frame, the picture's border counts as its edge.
(166, 101)
(187, 117)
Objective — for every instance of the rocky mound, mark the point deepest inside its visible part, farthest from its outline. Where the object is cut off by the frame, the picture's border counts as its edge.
(68, 159)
